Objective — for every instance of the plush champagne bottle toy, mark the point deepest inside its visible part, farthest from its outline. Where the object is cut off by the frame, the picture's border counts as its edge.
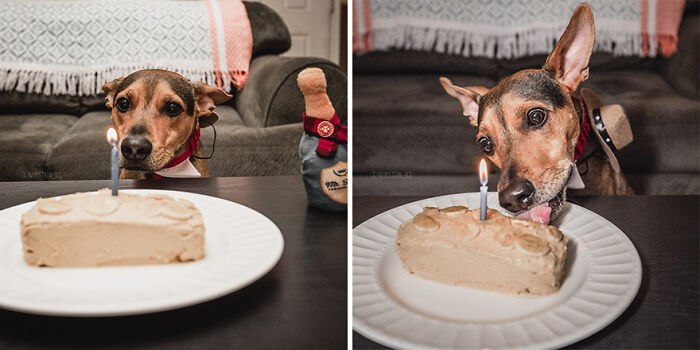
(323, 147)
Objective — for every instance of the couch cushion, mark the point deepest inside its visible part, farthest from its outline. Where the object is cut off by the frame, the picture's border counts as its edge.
(12, 102)
(407, 123)
(245, 151)
(25, 143)
(399, 61)
(83, 152)
(600, 61)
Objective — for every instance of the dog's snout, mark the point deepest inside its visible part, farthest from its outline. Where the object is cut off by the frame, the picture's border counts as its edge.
(136, 148)
(517, 196)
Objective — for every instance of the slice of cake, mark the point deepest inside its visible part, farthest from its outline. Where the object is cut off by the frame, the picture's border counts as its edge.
(97, 229)
(452, 246)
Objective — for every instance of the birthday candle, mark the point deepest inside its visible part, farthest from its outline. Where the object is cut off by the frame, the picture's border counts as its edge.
(112, 139)
(483, 179)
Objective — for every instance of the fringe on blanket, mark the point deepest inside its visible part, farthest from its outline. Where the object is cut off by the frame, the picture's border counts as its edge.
(501, 46)
(90, 82)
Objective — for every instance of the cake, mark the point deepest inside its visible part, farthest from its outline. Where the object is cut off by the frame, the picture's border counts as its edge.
(452, 246)
(97, 229)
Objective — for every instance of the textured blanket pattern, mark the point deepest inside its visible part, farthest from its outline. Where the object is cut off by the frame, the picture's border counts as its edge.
(74, 47)
(512, 28)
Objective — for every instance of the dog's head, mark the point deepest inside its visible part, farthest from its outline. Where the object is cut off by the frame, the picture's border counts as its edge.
(527, 124)
(155, 112)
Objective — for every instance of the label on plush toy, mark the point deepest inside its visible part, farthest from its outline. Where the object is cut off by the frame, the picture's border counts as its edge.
(334, 182)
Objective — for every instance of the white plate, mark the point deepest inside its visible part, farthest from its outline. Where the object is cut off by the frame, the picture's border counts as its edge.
(399, 309)
(241, 246)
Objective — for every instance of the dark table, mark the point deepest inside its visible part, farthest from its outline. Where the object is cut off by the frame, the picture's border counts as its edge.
(665, 231)
(300, 304)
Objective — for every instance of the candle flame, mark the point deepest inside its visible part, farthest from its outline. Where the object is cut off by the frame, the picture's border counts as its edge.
(111, 135)
(483, 172)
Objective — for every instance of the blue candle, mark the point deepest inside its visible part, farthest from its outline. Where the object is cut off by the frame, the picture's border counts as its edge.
(112, 139)
(483, 179)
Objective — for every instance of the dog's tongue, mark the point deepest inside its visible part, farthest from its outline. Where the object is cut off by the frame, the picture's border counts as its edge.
(539, 213)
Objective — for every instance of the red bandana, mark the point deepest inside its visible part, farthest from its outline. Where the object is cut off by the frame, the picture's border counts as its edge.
(192, 144)
(330, 133)
(585, 130)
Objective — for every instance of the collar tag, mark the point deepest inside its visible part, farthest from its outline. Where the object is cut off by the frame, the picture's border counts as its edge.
(182, 170)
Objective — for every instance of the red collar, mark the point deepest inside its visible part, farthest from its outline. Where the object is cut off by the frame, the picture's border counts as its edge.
(330, 133)
(191, 146)
(585, 129)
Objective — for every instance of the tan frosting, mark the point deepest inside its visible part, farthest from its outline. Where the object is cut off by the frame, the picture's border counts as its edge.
(96, 228)
(451, 245)
(51, 206)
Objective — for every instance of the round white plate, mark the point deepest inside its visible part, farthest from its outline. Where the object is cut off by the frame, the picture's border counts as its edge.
(396, 308)
(241, 246)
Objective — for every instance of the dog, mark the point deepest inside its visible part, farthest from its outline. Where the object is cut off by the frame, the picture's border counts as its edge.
(529, 127)
(157, 116)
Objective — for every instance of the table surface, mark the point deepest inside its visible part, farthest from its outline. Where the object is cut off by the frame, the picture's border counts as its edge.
(301, 303)
(665, 231)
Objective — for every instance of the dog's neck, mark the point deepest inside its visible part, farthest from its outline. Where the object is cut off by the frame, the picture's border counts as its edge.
(593, 147)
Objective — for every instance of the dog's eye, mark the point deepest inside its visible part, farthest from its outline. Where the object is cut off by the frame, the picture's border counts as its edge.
(536, 116)
(486, 145)
(123, 104)
(173, 109)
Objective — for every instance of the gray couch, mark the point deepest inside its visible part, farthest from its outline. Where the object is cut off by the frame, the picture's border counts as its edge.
(409, 136)
(63, 137)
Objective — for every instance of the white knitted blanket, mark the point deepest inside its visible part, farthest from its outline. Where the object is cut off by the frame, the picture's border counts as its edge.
(512, 28)
(73, 47)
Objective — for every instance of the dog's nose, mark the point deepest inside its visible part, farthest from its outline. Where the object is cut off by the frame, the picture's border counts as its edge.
(136, 148)
(517, 196)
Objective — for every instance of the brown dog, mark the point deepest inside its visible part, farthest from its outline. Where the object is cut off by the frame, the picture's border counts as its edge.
(528, 126)
(157, 115)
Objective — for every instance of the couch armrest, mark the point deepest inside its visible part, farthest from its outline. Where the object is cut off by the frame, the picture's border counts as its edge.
(271, 95)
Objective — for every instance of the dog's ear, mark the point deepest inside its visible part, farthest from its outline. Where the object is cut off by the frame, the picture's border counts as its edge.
(206, 98)
(468, 98)
(109, 89)
(568, 63)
